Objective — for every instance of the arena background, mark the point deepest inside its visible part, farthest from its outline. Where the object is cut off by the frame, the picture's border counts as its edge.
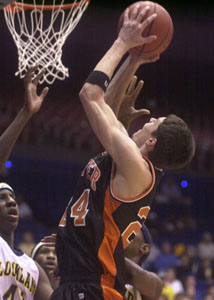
(56, 144)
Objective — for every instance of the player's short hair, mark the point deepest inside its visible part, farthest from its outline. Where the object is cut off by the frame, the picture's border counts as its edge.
(175, 145)
(147, 239)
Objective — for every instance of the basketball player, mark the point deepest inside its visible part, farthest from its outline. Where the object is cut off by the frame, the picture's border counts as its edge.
(20, 277)
(114, 193)
(148, 283)
(45, 256)
(144, 284)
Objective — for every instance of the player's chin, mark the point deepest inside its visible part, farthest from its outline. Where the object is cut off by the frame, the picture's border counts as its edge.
(12, 223)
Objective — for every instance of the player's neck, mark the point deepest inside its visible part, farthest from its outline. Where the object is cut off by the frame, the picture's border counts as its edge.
(9, 238)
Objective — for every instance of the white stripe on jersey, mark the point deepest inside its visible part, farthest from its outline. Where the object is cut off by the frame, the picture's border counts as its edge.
(18, 274)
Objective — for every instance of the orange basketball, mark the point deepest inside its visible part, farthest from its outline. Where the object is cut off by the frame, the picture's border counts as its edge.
(162, 27)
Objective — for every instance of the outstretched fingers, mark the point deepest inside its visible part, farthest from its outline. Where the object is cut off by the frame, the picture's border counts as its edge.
(126, 16)
(146, 23)
(142, 13)
(138, 89)
(38, 77)
(132, 84)
(49, 240)
(30, 73)
(149, 20)
(134, 90)
(135, 12)
(44, 92)
(141, 112)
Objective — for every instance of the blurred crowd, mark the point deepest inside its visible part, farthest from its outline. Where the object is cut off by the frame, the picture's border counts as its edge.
(187, 271)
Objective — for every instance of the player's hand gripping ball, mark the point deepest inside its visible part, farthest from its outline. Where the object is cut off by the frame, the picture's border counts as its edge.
(162, 27)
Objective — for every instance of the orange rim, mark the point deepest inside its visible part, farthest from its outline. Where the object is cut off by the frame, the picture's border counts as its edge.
(27, 6)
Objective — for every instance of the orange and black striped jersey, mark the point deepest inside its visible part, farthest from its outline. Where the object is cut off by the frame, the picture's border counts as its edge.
(97, 225)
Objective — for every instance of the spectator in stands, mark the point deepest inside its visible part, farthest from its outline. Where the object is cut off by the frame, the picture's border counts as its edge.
(208, 297)
(167, 290)
(166, 259)
(184, 268)
(173, 281)
(210, 290)
(190, 280)
(190, 286)
(187, 220)
(192, 254)
(27, 243)
(205, 271)
(179, 249)
(171, 223)
(25, 211)
(206, 246)
(190, 292)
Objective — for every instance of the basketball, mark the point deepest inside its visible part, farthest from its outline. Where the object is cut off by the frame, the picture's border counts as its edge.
(162, 27)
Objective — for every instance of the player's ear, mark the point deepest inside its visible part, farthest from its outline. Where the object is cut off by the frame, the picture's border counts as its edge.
(145, 249)
(151, 142)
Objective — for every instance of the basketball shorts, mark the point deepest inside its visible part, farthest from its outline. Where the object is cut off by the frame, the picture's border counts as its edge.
(78, 290)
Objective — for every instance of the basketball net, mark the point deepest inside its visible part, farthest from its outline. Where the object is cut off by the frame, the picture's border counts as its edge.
(39, 32)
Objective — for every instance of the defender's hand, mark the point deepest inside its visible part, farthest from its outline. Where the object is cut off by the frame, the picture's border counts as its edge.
(33, 101)
(141, 60)
(127, 112)
(49, 240)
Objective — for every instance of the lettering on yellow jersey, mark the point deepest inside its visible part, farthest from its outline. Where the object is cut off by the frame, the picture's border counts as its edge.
(129, 295)
(14, 269)
(92, 173)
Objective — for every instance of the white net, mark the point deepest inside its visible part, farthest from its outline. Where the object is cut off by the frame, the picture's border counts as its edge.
(39, 35)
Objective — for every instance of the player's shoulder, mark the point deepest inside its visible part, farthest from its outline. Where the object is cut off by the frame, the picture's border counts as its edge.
(147, 170)
(15, 254)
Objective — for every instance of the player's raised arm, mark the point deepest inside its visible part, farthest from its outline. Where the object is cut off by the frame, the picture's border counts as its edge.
(117, 89)
(147, 283)
(44, 289)
(102, 119)
(32, 104)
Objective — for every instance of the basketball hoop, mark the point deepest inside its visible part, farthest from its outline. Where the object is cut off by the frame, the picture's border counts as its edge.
(40, 31)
